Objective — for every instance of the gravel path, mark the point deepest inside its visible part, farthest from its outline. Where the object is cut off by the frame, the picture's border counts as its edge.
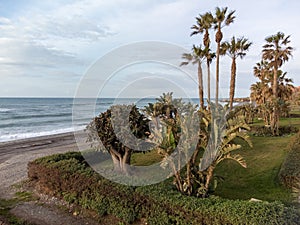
(41, 214)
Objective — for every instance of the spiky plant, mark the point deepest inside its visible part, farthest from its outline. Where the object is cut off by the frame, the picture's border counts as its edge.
(222, 131)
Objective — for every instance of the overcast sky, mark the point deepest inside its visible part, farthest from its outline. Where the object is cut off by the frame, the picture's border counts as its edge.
(46, 47)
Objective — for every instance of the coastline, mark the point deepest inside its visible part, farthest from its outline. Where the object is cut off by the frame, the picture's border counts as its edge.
(15, 155)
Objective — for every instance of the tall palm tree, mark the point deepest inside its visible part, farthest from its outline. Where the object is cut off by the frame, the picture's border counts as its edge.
(196, 57)
(276, 51)
(221, 19)
(236, 48)
(204, 24)
(209, 58)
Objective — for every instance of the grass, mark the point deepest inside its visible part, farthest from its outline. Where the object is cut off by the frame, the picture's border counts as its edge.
(290, 121)
(145, 159)
(260, 178)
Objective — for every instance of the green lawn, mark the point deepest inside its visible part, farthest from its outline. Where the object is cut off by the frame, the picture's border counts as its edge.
(145, 159)
(260, 178)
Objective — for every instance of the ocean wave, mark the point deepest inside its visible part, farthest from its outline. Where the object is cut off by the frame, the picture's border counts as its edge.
(18, 136)
(30, 116)
(5, 110)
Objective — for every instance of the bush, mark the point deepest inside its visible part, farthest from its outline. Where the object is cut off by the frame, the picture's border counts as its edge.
(179, 209)
(69, 177)
(289, 173)
(266, 131)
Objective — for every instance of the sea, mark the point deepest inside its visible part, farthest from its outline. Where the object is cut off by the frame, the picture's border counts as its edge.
(22, 118)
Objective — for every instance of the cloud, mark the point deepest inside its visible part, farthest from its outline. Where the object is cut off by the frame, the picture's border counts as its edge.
(50, 43)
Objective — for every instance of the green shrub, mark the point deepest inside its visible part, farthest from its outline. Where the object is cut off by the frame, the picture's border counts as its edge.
(159, 204)
(59, 157)
(267, 132)
(289, 173)
(180, 209)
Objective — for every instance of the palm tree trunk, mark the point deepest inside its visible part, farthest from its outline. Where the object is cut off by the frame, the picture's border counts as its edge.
(218, 38)
(232, 82)
(275, 117)
(217, 72)
(208, 82)
(200, 80)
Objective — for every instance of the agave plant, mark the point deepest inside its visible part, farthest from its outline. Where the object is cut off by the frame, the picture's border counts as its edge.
(175, 130)
(222, 130)
(189, 134)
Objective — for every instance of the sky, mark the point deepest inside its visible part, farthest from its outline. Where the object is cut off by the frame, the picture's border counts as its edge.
(47, 47)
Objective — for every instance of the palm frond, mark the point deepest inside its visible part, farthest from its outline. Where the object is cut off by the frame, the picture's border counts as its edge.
(238, 158)
(245, 137)
(229, 148)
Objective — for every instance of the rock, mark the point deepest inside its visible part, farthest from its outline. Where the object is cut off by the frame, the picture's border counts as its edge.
(255, 200)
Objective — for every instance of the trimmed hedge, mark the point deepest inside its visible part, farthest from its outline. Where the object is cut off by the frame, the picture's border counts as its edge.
(263, 131)
(69, 177)
(289, 173)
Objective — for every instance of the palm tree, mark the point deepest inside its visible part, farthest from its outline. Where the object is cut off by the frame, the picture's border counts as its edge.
(285, 87)
(262, 70)
(204, 24)
(209, 58)
(236, 48)
(196, 57)
(285, 93)
(257, 93)
(260, 92)
(220, 20)
(276, 52)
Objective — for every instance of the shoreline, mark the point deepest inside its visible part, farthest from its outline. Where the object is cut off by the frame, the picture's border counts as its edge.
(37, 138)
(16, 154)
(34, 143)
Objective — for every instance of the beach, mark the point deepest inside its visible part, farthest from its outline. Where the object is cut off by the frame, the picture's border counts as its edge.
(15, 155)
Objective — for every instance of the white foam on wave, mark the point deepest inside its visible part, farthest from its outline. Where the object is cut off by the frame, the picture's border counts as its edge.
(18, 136)
(5, 110)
